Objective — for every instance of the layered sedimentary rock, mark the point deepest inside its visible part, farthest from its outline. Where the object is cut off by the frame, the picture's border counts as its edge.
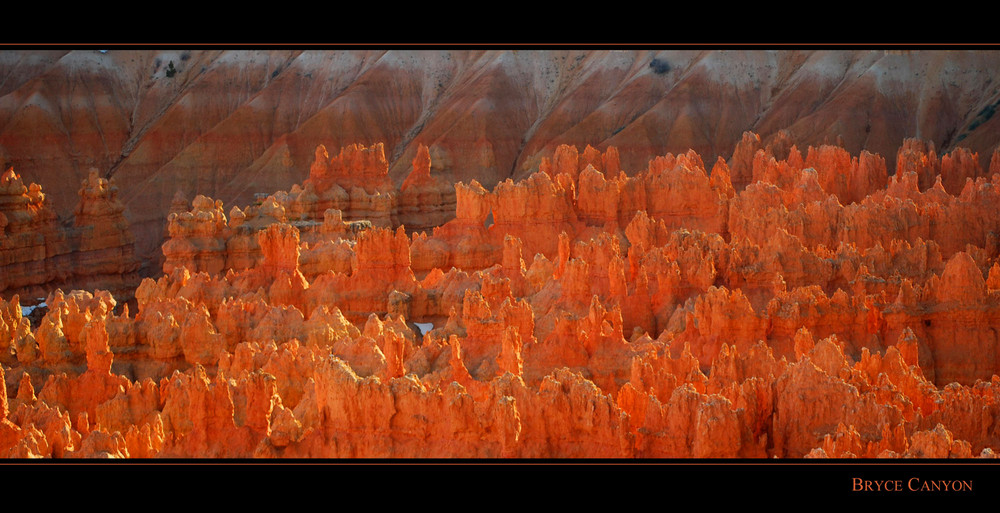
(424, 201)
(229, 124)
(38, 253)
(788, 303)
(343, 196)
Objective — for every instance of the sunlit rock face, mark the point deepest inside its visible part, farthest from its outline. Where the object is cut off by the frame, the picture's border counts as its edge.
(499, 254)
(581, 312)
(229, 124)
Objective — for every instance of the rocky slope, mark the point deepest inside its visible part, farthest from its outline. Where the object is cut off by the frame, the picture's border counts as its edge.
(228, 124)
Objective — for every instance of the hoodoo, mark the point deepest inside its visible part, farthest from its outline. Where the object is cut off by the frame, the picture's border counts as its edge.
(415, 280)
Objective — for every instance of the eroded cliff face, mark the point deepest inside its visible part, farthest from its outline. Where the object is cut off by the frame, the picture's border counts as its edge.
(92, 249)
(824, 310)
(232, 124)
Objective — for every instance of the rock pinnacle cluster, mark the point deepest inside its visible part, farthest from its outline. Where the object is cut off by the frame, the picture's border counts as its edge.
(827, 309)
(499, 255)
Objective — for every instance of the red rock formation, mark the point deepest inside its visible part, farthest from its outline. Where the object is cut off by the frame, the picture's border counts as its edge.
(37, 254)
(424, 201)
(105, 255)
(197, 238)
(484, 114)
(916, 156)
(356, 181)
(820, 311)
(741, 162)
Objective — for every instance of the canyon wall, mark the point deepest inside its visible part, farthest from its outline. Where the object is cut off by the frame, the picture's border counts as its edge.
(229, 124)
